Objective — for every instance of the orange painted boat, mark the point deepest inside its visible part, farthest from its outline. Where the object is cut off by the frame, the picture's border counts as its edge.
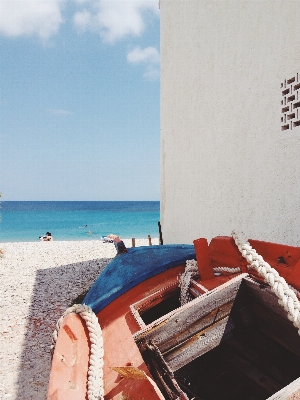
(228, 338)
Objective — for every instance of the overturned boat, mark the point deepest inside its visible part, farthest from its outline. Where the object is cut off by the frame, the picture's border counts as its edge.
(208, 321)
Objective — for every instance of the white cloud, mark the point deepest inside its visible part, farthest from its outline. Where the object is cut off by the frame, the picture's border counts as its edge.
(83, 19)
(148, 56)
(115, 19)
(112, 19)
(30, 17)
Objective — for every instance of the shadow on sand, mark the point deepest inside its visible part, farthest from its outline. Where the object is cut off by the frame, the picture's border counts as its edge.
(53, 292)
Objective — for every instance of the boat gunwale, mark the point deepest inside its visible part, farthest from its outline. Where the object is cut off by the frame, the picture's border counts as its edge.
(136, 266)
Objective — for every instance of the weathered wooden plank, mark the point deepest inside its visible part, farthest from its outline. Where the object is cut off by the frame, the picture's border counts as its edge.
(197, 287)
(223, 311)
(281, 330)
(153, 299)
(195, 292)
(290, 392)
(189, 391)
(198, 345)
(254, 374)
(162, 373)
(245, 316)
(198, 326)
(257, 360)
(150, 301)
(187, 321)
(262, 294)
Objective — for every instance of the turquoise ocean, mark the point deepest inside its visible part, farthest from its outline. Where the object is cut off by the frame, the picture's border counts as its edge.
(25, 221)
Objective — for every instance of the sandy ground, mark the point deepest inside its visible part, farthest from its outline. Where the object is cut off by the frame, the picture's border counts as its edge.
(38, 282)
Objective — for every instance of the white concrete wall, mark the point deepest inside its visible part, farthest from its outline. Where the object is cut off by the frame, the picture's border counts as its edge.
(225, 163)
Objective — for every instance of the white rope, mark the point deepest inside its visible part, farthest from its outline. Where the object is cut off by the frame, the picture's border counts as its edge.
(297, 293)
(95, 371)
(286, 296)
(191, 270)
(227, 269)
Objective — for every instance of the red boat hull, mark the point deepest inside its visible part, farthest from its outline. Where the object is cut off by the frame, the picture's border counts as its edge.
(68, 380)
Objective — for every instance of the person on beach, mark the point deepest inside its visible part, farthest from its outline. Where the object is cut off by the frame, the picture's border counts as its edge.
(109, 238)
(47, 238)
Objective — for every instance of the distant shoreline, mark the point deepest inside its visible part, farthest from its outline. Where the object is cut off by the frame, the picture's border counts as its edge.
(74, 220)
(127, 241)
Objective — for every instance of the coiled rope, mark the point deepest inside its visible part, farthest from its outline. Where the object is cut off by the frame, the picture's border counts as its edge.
(95, 371)
(286, 296)
(191, 270)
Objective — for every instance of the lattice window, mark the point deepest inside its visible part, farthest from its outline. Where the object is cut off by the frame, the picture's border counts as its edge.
(290, 105)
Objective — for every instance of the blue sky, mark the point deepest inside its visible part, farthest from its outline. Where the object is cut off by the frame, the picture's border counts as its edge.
(79, 99)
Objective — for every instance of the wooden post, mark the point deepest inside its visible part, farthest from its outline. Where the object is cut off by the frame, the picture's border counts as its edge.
(149, 238)
(160, 234)
(133, 242)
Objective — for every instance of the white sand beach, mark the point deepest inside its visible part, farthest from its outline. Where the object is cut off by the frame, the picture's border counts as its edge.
(38, 282)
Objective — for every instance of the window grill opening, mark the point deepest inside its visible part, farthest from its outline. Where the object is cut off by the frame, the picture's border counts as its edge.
(291, 98)
(291, 80)
(297, 123)
(296, 87)
(285, 127)
(297, 105)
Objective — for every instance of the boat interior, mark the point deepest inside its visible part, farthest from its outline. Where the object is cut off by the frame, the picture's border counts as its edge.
(233, 342)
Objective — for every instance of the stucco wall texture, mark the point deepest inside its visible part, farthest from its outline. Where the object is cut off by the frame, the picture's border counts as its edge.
(225, 162)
